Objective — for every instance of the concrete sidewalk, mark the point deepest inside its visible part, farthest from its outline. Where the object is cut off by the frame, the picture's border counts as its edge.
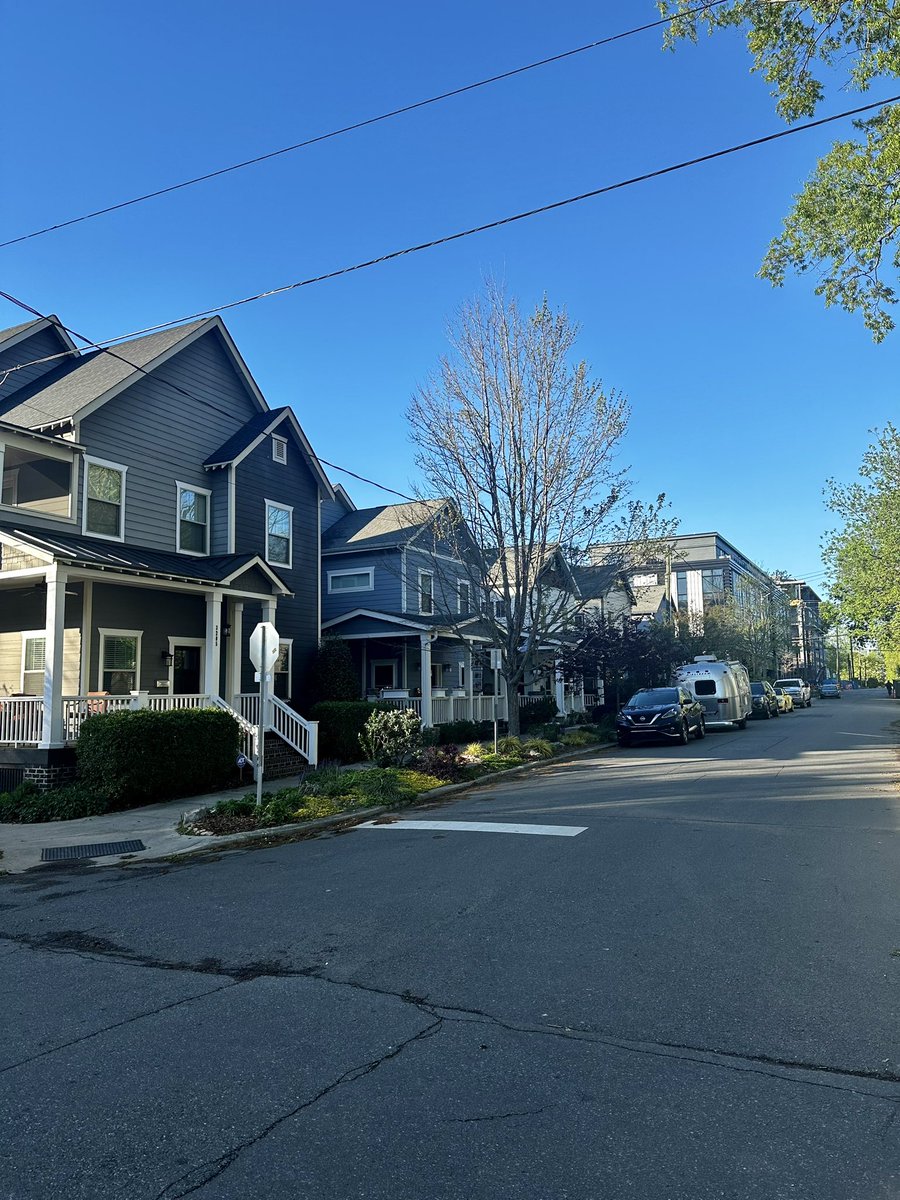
(153, 824)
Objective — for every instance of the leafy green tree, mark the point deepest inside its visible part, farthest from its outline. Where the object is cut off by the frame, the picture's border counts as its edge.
(845, 223)
(863, 555)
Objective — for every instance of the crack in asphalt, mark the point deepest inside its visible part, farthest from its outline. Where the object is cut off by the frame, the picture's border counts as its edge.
(92, 948)
(525, 1112)
(200, 1176)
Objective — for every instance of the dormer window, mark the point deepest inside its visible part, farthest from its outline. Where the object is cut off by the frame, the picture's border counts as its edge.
(279, 448)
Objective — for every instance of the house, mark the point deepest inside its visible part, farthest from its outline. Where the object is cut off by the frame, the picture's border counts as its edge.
(154, 508)
(403, 586)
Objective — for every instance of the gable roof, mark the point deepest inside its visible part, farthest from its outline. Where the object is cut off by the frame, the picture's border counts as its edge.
(248, 437)
(63, 394)
(594, 582)
(20, 333)
(552, 554)
(382, 527)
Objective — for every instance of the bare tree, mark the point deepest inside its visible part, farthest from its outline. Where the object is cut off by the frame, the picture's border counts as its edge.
(524, 441)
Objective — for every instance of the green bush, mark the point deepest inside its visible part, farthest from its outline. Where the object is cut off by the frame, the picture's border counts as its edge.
(872, 682)
(335, 678)
(389, 738)
(537, 712)
(576, 738)
(537, 748)
(509, 747)
(340, 724)
(131, 758)
(457, 733)
(28, 805)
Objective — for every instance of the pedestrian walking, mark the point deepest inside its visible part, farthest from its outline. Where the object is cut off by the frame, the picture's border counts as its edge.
(889, 687)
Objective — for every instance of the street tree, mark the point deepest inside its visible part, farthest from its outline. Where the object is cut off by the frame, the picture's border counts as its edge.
(863, 554)
(523, 439)
(845, 223)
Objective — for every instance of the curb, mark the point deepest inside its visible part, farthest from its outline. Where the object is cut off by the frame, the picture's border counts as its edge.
(352, 817)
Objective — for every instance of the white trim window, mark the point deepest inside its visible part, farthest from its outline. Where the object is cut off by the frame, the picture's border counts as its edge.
(281, 672)
(34, 646)
(279, 448)
(120, 661)
(351, 581)
(279, 540)
(104, 499)
(192, 528)
(464, 596)
(426, 593)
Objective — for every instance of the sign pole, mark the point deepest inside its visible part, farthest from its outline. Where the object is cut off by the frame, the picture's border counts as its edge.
(261, 726)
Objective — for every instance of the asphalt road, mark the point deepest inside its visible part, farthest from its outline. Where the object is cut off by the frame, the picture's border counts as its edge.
(695, 997)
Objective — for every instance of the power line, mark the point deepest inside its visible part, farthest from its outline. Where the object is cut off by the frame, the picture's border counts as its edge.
(183, 392)
(454, 237)
(386, 116)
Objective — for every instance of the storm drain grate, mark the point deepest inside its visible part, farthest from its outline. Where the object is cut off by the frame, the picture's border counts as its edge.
(92, 850)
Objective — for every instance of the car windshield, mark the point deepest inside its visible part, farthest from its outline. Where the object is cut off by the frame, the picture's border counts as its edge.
(794, 683)
(757, 689)
(653, 697)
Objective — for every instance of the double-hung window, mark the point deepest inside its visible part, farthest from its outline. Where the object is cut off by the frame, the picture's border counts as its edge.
(192, 535)
(120, 660)
(281, 672)
(33, 652)
(465, 593)
(104, 499)
(278, 534)
(426, 592)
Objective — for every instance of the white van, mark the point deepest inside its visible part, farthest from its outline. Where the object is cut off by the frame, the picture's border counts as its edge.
(723, 688)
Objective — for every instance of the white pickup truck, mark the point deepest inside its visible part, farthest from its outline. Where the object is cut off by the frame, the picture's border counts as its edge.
(798, 690)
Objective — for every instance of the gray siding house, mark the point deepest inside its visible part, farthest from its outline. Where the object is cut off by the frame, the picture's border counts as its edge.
(396, 589)
(153, 510)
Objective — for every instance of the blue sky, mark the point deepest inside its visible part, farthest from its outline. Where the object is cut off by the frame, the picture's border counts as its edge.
(744, 398)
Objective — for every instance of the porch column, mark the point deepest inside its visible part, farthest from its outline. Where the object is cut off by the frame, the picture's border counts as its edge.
(235, 650)
(425, 671)
(54, 632)
(268, 610)
(467, 663)
(213, 658)
(560, 689)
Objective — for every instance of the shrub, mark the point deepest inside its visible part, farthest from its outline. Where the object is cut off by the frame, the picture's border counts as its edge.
(417, 781)
(473, 750)
(501, 762)
(340, 724)
(389, 738)
(578, 738)
(872, 682)
(130, 758)
(537, 748)
(443, 762)
(457, 732)
(334, 675)
(537, 712)
(509, 747)
(27, 805)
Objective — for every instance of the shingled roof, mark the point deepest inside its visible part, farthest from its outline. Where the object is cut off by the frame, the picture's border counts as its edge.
(380, 528)
(57, 397)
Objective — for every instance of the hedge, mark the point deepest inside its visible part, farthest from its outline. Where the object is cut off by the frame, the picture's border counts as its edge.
(134, 758)
(340, 724)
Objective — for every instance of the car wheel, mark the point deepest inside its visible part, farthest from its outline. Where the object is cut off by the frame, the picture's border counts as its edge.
(701, 729)
(809, 703)
(684, 734)
(742, 724)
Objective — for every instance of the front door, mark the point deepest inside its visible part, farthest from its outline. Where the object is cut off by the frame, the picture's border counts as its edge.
(186, 670)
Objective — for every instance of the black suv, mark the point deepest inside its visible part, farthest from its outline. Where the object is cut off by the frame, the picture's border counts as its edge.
(765, 702)
(670, 712)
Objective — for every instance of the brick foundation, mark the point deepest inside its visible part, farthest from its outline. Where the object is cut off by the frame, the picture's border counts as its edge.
(47, 778)
(45, 768)
(281, 759)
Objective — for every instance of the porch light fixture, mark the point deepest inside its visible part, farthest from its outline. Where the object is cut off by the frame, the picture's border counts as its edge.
(168, 657)
(226, 630)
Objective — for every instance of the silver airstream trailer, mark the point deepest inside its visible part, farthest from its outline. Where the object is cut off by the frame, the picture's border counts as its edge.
(723, 688)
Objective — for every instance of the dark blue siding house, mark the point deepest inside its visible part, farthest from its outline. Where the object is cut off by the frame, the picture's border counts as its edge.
(153, 510)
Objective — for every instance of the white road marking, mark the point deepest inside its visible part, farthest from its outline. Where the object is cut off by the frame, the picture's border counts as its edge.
(871, 735)
(478, 827)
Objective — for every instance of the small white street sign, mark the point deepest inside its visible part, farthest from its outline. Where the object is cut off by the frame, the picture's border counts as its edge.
(264, 641)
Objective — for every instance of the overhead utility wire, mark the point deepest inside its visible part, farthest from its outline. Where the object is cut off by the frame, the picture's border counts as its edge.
(522, 216)
(454, 237)
(386, 116)
(181, 391)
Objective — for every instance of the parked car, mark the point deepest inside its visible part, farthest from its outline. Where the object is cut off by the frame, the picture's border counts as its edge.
(798, 690)
(830, 689)
(668, 713)
(785, 702)
(765, 702)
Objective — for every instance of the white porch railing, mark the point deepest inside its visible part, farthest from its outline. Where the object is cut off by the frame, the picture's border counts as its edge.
(300, 734)
(167, 703)
(77, 709)
(249, 739)
(21, 720)
(454, 708)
